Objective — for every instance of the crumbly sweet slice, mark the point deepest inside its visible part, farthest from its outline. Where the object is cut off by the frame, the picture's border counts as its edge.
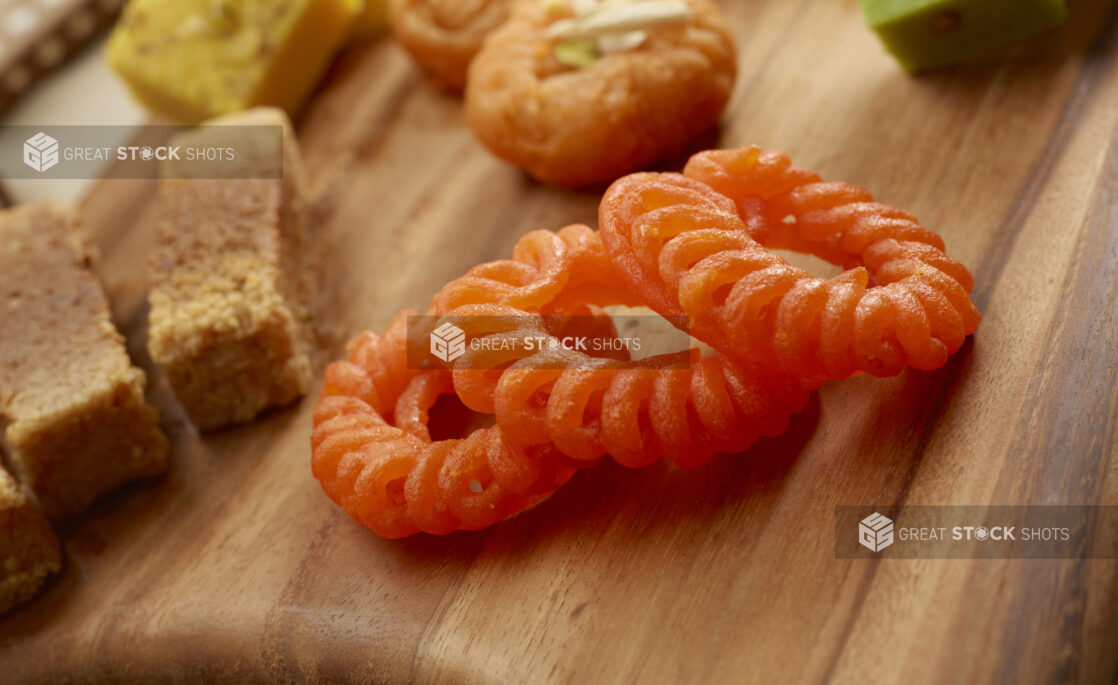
(194, 59)
(78, 424)
(229, 294)
(28, 549)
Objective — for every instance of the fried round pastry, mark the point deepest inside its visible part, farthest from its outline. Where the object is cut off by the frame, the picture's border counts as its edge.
(579, 126)
(696, 244)
(443, 36)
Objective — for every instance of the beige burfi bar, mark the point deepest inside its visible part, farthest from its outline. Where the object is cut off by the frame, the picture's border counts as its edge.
(229, 298)
(28, 548)
(77, 422)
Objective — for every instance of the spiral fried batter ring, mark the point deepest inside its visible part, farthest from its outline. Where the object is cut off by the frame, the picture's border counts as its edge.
(635, 411)
(390, 476)
(695, 244)
(555, 410)
(638, 413)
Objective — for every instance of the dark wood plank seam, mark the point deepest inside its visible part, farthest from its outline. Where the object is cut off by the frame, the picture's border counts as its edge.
(1071, 616)
(1083, 95)
(993, 264)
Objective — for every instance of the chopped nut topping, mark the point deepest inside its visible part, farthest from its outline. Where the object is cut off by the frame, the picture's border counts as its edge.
(578, 53)
(620, 17)
(610, 26)
(621, 42)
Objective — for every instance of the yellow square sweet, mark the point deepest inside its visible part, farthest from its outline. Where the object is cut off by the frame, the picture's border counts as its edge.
(194, 59)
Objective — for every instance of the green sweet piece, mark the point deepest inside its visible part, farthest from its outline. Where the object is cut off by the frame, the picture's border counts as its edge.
(923, 34)
(579, 53)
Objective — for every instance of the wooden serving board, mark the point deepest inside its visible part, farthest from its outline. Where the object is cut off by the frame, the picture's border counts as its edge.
(235, 567)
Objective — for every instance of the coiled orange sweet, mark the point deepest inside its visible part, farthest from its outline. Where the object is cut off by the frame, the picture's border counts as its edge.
(696, 244)
(555, 410)
(373, 454)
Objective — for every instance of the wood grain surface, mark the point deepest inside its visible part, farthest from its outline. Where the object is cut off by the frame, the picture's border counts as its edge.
(235, 567)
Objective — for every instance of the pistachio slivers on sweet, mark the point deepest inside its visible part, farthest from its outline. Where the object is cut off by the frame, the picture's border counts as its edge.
(604, 27)
(621, 42)
(578, 53)
(618, 17)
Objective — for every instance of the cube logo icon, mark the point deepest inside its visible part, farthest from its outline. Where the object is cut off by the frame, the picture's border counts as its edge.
(448, 342)
(875, 532)
(40, 152)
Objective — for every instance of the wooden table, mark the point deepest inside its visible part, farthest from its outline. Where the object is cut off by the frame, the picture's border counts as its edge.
(235, 567)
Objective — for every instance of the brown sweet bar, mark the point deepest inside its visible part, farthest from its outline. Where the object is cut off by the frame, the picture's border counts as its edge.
(78, 425)
(28, 548)
(229, 297)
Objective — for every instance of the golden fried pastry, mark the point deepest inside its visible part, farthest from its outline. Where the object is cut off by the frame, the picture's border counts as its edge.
(582, 93)
(444, 35)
